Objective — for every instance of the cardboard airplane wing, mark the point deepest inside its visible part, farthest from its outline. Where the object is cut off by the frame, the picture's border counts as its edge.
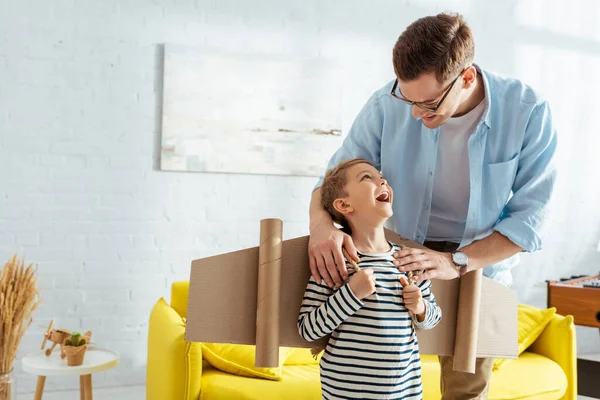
(253, 296)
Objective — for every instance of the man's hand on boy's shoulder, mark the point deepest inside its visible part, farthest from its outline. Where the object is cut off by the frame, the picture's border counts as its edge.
(434, 264)
(325, 256)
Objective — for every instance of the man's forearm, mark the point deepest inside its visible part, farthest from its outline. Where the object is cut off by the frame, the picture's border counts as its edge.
(490, 250)
(316, 213)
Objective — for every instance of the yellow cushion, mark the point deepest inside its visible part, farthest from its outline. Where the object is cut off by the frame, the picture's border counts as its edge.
(430, 372)
(545, 379)
(532, 321)
(299, 382)
(239, 359)
(302, 357)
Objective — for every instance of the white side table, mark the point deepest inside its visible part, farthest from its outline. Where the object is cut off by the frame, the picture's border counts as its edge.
(96, 360)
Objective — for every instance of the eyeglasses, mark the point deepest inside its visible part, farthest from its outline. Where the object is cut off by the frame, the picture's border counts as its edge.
(421, 105)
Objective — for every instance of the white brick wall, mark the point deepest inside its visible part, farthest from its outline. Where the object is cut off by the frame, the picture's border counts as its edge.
(80, 192)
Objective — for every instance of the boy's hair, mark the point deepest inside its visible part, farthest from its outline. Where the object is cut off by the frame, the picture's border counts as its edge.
(333, 187)
(442, 44)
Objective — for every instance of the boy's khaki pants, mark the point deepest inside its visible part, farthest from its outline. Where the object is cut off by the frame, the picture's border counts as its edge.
(456, 385)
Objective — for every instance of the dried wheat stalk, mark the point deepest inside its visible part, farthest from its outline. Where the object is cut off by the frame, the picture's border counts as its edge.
(19, 297)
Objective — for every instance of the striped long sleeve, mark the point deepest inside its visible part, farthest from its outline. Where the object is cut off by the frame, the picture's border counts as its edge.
(433, 312)
(323, 310)
(373, 349)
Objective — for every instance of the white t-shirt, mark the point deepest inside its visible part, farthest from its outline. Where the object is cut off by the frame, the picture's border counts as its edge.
(451, 189)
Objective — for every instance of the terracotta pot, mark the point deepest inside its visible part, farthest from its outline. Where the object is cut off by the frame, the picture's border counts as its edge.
(75, 354)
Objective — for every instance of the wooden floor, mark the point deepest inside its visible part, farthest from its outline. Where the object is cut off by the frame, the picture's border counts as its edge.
(123, 393)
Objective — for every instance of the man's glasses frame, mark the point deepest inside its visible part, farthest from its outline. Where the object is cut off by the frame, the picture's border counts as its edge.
(421, 105)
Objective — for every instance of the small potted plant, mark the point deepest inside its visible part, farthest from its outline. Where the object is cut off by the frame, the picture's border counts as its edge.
(74, 348)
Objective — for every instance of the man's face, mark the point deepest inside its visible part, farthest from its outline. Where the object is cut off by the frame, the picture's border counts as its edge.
(369, 199)
(427, 91)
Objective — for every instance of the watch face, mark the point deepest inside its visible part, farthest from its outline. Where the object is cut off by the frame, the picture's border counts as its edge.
(460, 258)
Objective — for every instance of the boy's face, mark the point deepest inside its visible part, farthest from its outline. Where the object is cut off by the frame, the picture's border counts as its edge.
(369, 199)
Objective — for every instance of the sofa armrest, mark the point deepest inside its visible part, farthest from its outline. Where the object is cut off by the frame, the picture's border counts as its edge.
(174, 369)
(557, 342)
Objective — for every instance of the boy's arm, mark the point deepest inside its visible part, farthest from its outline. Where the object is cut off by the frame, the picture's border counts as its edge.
(323, 310)
(433, 313)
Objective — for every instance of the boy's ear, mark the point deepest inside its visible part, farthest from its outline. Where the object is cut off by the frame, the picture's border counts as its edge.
(342, 206)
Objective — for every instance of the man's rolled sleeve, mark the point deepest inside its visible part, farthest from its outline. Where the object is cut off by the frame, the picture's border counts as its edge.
(520, 233)
(363, 139)
(524, 216)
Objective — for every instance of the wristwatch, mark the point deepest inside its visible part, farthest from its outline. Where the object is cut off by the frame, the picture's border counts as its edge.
(461, 261)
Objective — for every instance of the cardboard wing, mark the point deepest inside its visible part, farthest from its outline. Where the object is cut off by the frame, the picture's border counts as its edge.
(479, 316)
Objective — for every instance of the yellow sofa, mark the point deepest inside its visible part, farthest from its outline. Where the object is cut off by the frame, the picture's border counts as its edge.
(176, 370)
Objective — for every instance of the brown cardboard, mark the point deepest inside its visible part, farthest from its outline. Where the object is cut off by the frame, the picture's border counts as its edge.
(267, 302)
(222, 305)
(467, 323)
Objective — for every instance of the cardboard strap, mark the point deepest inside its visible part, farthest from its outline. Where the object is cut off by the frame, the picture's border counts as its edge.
(350, 259)
(467, 322)
(268, 299)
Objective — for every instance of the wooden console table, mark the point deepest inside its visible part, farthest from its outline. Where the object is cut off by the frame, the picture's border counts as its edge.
(580, 297)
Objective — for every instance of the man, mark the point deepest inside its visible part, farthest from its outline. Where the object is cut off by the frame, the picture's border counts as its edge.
(470, 156)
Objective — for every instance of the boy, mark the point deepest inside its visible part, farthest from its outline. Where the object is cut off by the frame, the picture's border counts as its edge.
(373, 351)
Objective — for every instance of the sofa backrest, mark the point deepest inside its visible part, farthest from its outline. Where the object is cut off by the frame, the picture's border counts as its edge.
(558, 343)
(179, 297)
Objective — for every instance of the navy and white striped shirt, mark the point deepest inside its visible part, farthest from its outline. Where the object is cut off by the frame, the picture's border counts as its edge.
(373, 352)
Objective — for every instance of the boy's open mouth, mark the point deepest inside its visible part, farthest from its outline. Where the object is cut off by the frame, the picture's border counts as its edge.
(384, 197)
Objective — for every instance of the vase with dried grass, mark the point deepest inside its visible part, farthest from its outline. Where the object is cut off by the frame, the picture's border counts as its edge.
(19, 297)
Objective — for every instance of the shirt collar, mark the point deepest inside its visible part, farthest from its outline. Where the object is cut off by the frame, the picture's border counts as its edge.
(487, 118)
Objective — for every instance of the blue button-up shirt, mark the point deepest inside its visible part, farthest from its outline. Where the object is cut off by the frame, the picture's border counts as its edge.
(511, 165)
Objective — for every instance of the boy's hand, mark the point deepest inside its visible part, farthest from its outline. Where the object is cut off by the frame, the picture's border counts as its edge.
(362, 283)
(413, 299)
